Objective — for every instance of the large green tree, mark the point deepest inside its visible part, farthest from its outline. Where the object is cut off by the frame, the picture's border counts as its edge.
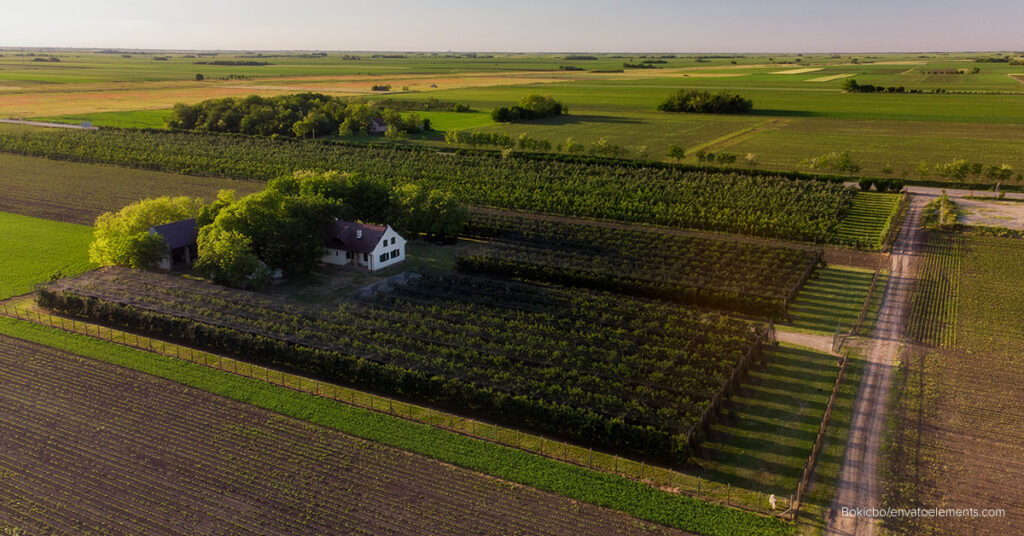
(123, 237)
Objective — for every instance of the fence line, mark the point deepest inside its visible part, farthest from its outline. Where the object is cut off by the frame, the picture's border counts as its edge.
(818, 441)
(654, 475)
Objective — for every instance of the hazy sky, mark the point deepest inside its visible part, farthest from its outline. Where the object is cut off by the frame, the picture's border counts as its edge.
(524, 25)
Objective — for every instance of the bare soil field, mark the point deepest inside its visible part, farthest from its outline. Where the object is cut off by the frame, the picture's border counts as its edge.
(1009, 214)
(76, 193)
(92, 448)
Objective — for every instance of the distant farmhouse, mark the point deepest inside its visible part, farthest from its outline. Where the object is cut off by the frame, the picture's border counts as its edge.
(182, 243)
(369, 246)
(359, 244)
(378, 126)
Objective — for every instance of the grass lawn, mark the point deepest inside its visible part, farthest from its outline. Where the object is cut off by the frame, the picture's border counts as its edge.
(833, 296)
(868, 219)
(35, 250)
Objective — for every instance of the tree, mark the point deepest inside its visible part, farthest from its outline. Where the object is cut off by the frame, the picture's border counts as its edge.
(123, 238)
(227, 258)
(573, 146)
(923, 170)
(692, 101)
(675, 152)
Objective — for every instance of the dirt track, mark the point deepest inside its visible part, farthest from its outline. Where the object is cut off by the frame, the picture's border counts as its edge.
(858, 485)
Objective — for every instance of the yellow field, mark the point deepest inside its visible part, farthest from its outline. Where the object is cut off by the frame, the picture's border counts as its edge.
(830, 78)
(799, 71)
(18, 102)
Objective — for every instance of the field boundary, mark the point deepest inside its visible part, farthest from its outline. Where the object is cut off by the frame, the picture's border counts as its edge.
(655, 476)
(808, 473)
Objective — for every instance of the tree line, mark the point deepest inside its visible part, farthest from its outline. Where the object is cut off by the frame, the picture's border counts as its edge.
(704, 102)
(529, 108)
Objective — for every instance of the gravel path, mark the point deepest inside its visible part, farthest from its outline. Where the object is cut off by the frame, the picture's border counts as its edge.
(858, 485)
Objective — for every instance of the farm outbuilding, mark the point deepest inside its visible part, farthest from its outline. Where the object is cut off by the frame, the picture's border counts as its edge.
(182, 243)
(378, 126)
(359, 244)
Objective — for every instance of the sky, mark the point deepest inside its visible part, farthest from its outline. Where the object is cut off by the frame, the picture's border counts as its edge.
(519, 26)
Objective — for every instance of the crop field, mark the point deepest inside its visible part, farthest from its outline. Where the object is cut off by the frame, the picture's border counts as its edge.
(882, 131)
(76, 193)
(868, 220)
(832, 298)
(535, 357)
(956, 436)
(129, 453)
(746, 204)
(934, 306)
(745, 277)
(35, 250)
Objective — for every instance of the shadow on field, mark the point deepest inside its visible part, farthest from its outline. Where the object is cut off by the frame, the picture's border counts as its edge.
(575, 119)
(782, 113)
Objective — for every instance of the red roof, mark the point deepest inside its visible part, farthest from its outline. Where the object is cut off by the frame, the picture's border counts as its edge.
(346, 235)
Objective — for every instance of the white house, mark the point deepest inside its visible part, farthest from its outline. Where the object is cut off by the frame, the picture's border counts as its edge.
(181, 237)
(369, 246)
(378, 126)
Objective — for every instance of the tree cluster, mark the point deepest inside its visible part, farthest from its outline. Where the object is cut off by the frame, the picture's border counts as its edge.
(530, 107)
(703, 102)
(299, 115)
(881, 185)
(122, 238)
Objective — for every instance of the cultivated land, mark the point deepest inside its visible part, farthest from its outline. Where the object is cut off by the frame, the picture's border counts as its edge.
(623, 373)
(955, 434)
(797, 115)
(36, 250)
(77, 193)
(129, 453)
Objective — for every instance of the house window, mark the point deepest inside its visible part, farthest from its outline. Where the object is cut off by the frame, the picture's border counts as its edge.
(392, 240)
(366, 257)
(383, 257)
(394, 254)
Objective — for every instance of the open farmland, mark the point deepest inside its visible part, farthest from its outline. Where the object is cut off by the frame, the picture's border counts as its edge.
(76, 193)
(956, 435)
(128, 453)
(749, 278)
(33, 251)
(664, 195)
(534, 357)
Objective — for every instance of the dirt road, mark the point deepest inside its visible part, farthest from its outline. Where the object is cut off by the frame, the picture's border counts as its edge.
(858, 485)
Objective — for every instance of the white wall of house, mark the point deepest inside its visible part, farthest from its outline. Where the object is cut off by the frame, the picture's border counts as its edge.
(390, 250)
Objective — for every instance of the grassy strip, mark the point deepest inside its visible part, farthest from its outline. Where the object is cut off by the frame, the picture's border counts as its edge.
(602, 489)
(869, 219)
(822, 491)
(832, 296)
(35, 250)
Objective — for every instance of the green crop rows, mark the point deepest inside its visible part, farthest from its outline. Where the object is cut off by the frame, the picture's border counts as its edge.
(632, 376)
(745, 277)
(737, 203)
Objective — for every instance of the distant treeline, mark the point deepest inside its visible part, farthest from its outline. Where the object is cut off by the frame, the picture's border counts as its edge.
(579, 57)
(704, 102)
(642, 65)
(234, 63)
(529, 107)
(851, 86)
(302, 115)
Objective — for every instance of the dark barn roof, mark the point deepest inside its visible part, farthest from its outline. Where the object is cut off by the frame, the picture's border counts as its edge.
(342, 235)
(178, 234)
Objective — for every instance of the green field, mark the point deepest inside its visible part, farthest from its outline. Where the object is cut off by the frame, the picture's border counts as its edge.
(35, 250)
(129, 119)
(77, 193)
(833, 297)
(869, 219)
(796, 116)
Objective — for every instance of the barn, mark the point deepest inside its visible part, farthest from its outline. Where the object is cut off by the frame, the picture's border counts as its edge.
(182, 248)
(368, 246)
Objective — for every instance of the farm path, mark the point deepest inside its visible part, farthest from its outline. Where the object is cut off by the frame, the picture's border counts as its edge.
(45, 124)
(858, 485)
(822, 343)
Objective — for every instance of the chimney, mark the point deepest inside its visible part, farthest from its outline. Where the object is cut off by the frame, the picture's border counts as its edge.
(359, 234)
